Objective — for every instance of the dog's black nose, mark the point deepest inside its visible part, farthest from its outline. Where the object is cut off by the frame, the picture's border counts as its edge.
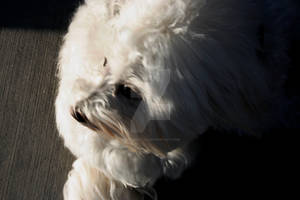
(79, 116)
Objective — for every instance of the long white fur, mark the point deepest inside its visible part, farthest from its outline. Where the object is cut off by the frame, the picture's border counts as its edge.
(208, 50)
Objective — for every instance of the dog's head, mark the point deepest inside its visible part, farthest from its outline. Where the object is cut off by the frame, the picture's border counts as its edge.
(144, 73)
(125, 85)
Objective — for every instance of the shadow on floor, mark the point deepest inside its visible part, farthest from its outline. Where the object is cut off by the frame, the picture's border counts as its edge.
(230, 166)
(37, 14)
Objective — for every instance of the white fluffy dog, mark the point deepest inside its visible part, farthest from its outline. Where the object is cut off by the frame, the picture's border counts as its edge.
(141, 79)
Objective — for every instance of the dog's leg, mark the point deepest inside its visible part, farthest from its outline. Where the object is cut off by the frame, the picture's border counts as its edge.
(130, 168)
(87, 182)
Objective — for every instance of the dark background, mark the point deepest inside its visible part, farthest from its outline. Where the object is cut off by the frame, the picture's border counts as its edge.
(34, 164)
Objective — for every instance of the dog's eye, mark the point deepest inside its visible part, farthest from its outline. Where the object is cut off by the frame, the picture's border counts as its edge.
(127, 92)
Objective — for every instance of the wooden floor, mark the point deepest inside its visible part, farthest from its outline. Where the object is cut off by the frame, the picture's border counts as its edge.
(33, 161)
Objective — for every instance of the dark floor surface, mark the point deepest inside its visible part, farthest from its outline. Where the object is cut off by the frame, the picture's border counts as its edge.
(33, 161)
(34, 164)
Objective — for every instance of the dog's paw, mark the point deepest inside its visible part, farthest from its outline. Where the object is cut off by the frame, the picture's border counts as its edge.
(135, 170)
(175, 163)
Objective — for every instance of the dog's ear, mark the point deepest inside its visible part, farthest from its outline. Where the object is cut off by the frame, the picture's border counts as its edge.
(79, 116)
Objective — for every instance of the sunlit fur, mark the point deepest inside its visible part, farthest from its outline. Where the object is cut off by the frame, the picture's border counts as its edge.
(194, 63)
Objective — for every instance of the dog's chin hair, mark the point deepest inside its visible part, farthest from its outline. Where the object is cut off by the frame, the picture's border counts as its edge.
(113, 129)
(114, 126)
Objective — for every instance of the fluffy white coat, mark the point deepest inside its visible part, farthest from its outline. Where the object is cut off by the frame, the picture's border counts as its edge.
(194, 65)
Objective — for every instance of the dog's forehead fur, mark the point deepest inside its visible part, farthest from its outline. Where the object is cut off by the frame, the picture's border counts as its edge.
(129, 41)
(121, 37)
